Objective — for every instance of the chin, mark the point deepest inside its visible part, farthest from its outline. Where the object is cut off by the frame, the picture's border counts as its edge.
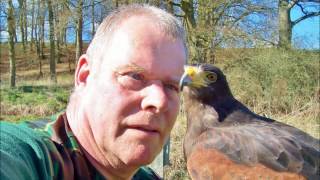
(142, 155)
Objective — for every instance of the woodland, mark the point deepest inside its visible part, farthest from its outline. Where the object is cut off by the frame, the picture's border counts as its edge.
(270, 69)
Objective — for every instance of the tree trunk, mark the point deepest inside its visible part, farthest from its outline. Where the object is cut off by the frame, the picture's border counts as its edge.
(37, 29)
(57, 10)
(285, 26)
(15, 36)
(79, 31)
(11, 27)
(41, 20)
(25, 22)
(188, 8)
(92, 18)
(157, 3)
(117, 3)
(63, 34)
(21, 23)
(169, 6)
(32, 27)
(52, 61)
(58, 50)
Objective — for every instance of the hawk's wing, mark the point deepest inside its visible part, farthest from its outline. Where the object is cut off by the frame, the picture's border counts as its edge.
(275, 145)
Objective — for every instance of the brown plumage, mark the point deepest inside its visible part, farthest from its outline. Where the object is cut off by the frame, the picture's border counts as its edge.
(225, 140)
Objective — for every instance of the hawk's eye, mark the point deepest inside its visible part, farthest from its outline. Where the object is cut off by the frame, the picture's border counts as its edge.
(212, 77)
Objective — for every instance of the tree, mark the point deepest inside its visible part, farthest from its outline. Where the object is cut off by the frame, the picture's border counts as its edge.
(79, 30)
(57, 11)
(212, 24)
(52, 61)
(37, 37)
(92, 4)
(286, 23)
(41, 16)
(11, 27)
(32, 25)
(22, 22)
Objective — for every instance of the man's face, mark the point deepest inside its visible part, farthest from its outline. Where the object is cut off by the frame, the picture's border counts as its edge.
(132, 102)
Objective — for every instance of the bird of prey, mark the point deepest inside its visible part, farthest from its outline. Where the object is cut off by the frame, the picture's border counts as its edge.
(225, 140)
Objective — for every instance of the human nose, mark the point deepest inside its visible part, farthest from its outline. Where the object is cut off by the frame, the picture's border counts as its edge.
(155, 98)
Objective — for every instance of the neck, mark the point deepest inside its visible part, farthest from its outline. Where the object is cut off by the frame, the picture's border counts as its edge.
(118, 172)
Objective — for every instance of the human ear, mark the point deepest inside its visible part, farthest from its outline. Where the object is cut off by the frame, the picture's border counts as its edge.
(82, 71)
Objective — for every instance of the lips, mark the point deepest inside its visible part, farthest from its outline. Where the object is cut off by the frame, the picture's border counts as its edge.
(146, 123)
(145, 128)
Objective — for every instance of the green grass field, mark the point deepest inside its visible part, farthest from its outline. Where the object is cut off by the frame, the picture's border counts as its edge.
(278, 84)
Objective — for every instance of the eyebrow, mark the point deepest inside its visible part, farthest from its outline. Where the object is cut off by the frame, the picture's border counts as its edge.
(129, 67)
(136, 68)
(174, 80)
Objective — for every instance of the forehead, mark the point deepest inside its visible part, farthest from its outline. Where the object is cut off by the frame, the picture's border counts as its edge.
(140, 43)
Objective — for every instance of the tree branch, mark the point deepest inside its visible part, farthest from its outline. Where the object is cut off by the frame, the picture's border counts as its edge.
(302, 9)
(175, 4)
(315, 1)
(305, 17)
(292, 3)
(95, 3)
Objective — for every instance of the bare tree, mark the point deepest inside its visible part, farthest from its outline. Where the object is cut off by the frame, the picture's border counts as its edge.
(22, 20)
(211, 24)
(286, 23)
(39, 33)
(57, 10)
(169, 6)
(41, 16)
(25, 22)
(79, 30)
(64, 16)
(52, 61)
(92, 4)
(32, 25)
(12, 60)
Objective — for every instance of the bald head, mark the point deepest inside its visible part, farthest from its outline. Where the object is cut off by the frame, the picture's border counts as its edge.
(103, 38)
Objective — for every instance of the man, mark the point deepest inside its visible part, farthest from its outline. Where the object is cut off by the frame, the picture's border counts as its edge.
(124, 105)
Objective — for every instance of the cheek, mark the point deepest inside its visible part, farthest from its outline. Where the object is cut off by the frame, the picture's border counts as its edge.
(111, 105)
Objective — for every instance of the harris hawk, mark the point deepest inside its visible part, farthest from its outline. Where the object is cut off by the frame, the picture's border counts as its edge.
(226, 140)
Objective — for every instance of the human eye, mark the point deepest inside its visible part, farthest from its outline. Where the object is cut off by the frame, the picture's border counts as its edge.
(172, 87)
(131, 80)
(136, 76)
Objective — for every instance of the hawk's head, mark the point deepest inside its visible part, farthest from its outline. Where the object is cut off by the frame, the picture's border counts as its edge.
(204, 82)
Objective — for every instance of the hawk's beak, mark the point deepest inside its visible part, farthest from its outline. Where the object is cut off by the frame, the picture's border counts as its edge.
(184, 81)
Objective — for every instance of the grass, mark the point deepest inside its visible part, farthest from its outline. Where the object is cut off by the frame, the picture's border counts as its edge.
(177, 168)
(34, 97)
(278, 84)
(32, 102)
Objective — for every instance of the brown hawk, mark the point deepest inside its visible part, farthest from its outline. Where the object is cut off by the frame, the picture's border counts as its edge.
(225, 140)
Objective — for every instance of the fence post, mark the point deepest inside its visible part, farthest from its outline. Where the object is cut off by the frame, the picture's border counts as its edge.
(162, 159)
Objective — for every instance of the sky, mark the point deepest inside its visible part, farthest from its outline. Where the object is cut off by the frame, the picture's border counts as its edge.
(307, 32)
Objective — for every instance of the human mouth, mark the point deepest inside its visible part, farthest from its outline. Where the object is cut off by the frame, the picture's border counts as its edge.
(146, 129)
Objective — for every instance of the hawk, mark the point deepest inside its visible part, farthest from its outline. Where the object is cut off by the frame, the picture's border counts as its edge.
(226, 140)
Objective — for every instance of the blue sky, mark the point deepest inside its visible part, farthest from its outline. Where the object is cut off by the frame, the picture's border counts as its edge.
(307, 32)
